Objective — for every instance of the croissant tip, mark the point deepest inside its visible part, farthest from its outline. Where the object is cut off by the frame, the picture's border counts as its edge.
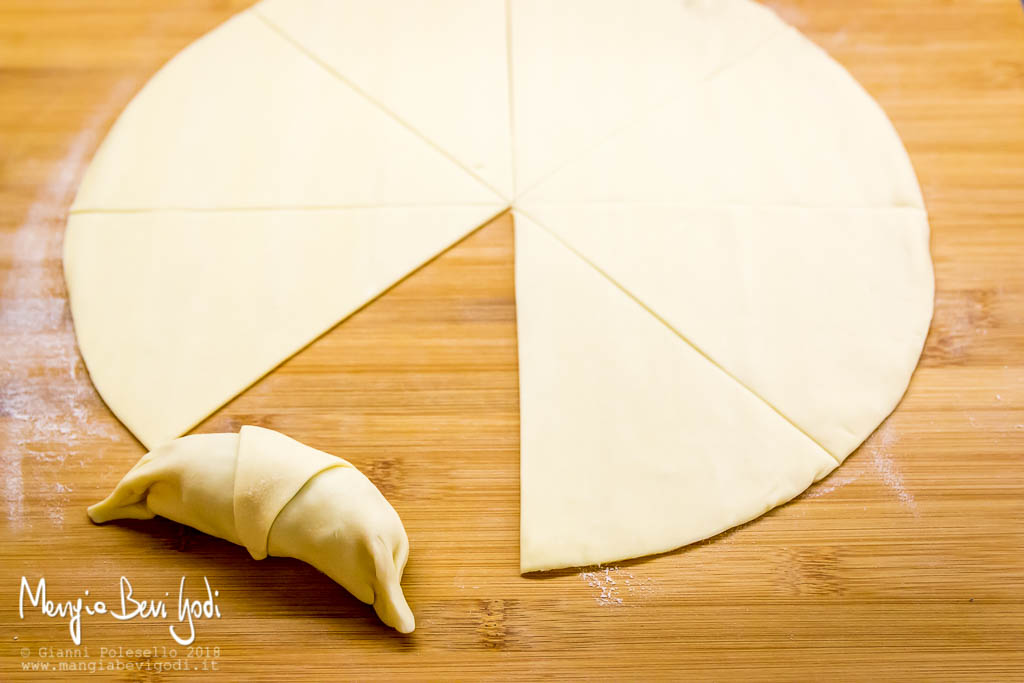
(393, 610)
(95, 513)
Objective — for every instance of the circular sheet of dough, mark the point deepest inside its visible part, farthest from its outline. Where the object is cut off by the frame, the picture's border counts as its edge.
(722, 273)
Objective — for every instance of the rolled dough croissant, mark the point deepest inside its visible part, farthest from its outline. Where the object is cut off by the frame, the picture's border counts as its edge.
(275, 496)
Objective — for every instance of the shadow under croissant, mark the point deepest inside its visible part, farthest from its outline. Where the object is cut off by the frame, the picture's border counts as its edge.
(272, 587)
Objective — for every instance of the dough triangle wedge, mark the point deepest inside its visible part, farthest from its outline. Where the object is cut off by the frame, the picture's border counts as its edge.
(242, 118)
(440, 66)
(632, 442)
(788, 126)
(583, 68)
(176, 312)
(821, 312)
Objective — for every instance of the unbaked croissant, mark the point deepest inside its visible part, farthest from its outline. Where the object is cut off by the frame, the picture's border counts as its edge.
(275, 496)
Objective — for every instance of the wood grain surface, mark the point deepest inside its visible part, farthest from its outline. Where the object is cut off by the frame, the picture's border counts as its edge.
(906, 563)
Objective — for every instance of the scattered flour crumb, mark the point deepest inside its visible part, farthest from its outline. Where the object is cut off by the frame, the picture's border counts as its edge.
(460, 582)
(610, 582)
(884, 465)
(834, 482)
(639, 585)
(48, 418)
(606, 585)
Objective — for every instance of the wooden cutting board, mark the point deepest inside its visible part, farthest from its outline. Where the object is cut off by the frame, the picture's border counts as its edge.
(907, 562)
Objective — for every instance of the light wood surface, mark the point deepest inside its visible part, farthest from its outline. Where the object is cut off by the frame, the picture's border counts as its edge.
(906, 563)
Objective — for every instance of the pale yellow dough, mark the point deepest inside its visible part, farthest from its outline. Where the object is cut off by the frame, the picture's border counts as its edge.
(275, 496)
(723, 281)
(648, 445)
(187, 309)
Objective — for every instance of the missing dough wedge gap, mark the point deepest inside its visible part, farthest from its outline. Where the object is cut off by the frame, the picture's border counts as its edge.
(190, 309)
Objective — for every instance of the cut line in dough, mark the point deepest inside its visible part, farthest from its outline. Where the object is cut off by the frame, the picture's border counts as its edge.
(832, 359)
(207, 132)
(673, 329)
(169, 333)
(510, 68)
(425, 33)
(747, 137)
(629, 433)
(658, 145)
(584, 68)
